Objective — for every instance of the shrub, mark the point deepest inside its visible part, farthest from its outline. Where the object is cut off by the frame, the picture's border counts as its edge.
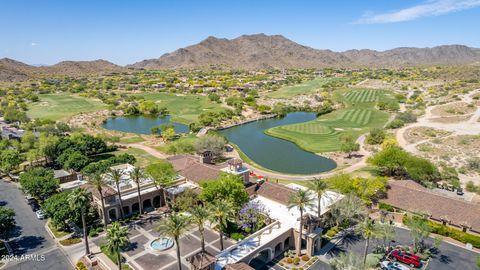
(305, 258)
(374, 259)
(81, 266)
(386, 207)
(289, 260)
(296, 260)
(237, 236)
(478, 262)
(332, 232)
(92, 233)
(70, 241)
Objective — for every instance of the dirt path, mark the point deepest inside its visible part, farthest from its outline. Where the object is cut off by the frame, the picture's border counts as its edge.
(362, 163)
(152, 151)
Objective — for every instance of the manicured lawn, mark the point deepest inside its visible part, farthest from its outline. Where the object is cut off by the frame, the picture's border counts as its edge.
(307, 87)
(59, 106)
(183, 108)
(131, 139)
(57, 233)
(143, 158)
(323, 134)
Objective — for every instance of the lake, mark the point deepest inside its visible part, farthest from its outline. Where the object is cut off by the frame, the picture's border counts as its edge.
(277, 154)
(141, 124)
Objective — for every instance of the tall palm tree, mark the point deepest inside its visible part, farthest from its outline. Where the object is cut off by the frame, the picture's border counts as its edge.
(98, 182)
(368, 229)
(348, 211)
(318, 186)
(200, 215)
(302, 201)
(136, 175)
(220, 213)
(175, 226)
(386, 233)
(117, 238)
(116, 176)
(80, 199)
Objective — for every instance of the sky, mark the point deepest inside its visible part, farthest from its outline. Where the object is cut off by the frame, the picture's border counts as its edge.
(124, 32)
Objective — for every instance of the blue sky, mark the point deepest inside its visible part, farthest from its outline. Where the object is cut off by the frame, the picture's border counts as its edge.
(46, 32)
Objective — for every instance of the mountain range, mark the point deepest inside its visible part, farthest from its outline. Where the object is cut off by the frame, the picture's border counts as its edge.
(254, 52)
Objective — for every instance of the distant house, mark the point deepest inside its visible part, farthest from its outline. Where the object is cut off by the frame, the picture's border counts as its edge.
(10, 132)
(66, 176)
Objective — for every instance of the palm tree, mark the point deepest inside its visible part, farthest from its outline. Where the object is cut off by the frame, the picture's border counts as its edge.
(98, 182)
(368, 229)
(117, 238)
(349, 210)
(116, 176)
(349, 260)
(136, 175)
(175, 226)
(386, 233)
(302, 201)
(79, 199)
(318, 186)
(199, 216)
(220, 213)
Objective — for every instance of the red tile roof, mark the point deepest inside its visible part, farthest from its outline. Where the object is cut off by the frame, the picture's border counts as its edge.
(192, 169)
(410, 196)
(275, 192)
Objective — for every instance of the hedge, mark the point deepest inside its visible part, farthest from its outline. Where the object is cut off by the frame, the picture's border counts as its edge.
(386, 207)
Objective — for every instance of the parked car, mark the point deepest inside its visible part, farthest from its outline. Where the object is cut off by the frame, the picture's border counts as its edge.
(407, 258)
(388, 265)
(40, 214)
(34, 205)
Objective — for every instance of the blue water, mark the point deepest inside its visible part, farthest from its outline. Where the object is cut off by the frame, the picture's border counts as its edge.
(274, 153)
(141, 124)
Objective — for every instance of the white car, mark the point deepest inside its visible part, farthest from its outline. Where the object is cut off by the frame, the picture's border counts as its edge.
(40, 214)
(387, 265)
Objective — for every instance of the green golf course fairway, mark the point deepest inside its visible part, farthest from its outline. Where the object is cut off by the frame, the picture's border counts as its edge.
(323, 134)
(61, 106)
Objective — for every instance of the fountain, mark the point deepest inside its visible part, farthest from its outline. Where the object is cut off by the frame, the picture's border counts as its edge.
(161, 244)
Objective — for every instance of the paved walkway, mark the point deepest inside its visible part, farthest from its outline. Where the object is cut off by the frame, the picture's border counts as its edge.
(140, 256)
(150, 150)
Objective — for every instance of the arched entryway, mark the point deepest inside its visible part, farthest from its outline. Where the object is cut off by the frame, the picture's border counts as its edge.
(286, 243)
(156, 201)
(112, 214)
(126, 210)
(147, 205)
(262, 258)
(278, 249)
(135, 208)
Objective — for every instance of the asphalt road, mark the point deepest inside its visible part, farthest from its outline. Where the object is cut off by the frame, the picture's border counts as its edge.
(32, 245)
(449, 257)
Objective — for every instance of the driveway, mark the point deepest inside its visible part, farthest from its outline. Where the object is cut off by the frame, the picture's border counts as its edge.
(32, 245)
(449, 257)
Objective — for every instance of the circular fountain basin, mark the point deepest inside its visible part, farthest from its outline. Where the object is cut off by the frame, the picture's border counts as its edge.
(161, 244)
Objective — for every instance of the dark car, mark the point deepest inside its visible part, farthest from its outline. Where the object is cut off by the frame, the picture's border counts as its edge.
(406, 258)
(34, 205)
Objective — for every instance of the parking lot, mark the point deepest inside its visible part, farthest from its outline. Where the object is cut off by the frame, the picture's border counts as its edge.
(448, 257)
(31, 238)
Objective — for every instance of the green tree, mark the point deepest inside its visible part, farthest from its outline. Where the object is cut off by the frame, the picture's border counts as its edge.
(116, 177)
(368, 229)
(175, 226)
(98, 182)
(168, 134)
(386, 232)
(199, 216)
(227, 187)
(221, 212)
(117, 239)
(300, 200)
(347, 261)
(7, 222)
(348, 145)
(9, 160)
(319, 187)
(162, 174)
(348, 211)
(137, 175)
(39, 183)
(214, 144)
(376, 136)
(419, 231)
(80, 199)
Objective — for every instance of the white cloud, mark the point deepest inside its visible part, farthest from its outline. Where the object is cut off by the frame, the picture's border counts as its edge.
(33, 44)
(427, 9)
